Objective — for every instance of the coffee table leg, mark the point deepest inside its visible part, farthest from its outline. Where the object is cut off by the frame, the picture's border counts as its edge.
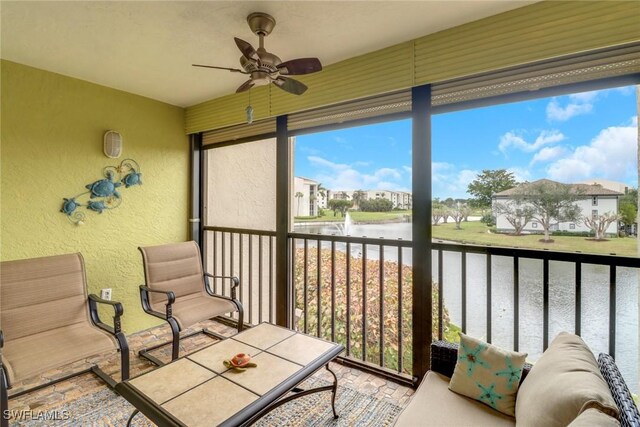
(133, 414)
(333, 392)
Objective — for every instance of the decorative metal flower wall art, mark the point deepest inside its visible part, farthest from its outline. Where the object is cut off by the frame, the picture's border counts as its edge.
(103, 194)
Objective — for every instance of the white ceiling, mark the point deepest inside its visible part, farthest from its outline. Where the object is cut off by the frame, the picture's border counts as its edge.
(147, 47)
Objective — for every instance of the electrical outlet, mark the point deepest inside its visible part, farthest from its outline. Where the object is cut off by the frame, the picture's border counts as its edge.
(105, 294)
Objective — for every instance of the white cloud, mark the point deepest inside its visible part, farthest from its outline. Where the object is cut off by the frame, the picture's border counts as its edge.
(408, 169)
(546, 137)
(577, 105)
(520, 174)
(321, 162)
(547, 154)
(612, 154)
(340, 176)
(448, 181)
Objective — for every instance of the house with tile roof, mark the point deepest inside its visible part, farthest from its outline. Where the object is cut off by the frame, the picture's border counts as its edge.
(593, 200)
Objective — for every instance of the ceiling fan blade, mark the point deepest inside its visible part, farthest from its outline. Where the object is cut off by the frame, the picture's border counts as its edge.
(233, 70)
(247, 50)
(290, 85)
(245, 86)
(300, 66)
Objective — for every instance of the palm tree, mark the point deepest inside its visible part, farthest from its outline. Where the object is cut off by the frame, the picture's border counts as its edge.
(298, 196)
(359, 196)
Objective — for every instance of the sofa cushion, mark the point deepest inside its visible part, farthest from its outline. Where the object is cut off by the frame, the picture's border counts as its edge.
(563, 383)
(592, 417)
(488, 374)
(434, 404)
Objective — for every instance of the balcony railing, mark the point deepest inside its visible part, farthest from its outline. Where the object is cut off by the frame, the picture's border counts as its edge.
(358, 291)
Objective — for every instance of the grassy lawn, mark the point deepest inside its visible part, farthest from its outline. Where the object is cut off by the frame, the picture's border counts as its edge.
(377, 216)
(475, 232)
(328, 216)
(370, 217)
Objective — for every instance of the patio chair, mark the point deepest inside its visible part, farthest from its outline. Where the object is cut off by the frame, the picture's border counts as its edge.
(177, 290)
(48, 321)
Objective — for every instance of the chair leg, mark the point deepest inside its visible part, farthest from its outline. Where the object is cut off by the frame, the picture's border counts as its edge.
(4, 400)
(240, 318)
(124, 356)
(175, 344)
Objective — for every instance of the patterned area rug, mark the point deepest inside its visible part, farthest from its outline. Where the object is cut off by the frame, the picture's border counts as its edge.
(107, 409)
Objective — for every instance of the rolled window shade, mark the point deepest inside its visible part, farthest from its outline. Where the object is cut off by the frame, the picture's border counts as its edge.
(578, 68)
(237, 132)
(378, 106)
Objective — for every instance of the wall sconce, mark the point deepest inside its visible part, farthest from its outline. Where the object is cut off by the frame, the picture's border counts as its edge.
(112, 144)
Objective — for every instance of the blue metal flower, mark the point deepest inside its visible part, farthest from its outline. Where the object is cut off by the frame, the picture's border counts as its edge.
(96, 206)
(104, 188)
(69, 206)
(132, 178)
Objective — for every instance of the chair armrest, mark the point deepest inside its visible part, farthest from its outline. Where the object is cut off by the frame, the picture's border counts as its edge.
(94, 300)
(144, 297)
(235, 282)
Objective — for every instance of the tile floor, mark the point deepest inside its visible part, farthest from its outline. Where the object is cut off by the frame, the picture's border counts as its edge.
(55, 395)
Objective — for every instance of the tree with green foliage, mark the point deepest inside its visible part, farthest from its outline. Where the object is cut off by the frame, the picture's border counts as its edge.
(438, 211)
(376, 205)
(358, 197)
(516, 212)
(487, 184)
(458, 213)
(628, 207)
(551, 203)
(339, 205)
(599, 223)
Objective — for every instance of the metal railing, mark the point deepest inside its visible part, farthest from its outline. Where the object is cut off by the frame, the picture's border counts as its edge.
(355, 291)
(578, 262)
(249, 255)
(358, 291)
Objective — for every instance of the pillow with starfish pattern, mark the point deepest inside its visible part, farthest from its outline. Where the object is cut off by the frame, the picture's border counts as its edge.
(487, 373)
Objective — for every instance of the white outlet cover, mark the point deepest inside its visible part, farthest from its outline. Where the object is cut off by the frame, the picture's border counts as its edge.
(105, 294)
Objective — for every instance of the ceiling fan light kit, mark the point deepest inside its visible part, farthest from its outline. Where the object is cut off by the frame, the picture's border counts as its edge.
(264, 67)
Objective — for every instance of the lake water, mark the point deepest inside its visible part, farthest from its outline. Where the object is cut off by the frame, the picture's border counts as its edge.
(595, 296)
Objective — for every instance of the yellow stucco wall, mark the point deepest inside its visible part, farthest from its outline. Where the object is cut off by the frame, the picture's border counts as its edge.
(52, 129)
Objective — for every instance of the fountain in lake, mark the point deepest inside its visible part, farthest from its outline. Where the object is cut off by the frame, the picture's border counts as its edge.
(345, 228)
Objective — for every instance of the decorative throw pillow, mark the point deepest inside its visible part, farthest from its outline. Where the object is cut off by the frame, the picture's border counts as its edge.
(488, 374)
(565, 381)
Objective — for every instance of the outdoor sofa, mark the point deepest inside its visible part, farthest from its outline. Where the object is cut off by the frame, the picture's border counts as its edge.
(433, 404)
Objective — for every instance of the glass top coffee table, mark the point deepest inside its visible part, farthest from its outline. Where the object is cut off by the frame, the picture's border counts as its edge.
(198, 390)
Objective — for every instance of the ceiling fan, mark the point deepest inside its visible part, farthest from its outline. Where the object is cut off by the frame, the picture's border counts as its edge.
(264, 67)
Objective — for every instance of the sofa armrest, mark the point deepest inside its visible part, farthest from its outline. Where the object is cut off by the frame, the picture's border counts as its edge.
(629, 415)
(444, 356)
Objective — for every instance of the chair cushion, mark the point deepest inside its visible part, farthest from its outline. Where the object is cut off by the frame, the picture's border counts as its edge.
(34, 354)
(563, 383)
(488, 373)
(592, 417)
(195, 308)
(40, 294)
(433, 404)
(175, 267)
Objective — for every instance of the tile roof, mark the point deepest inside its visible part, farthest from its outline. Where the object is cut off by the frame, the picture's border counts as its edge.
(582, 189)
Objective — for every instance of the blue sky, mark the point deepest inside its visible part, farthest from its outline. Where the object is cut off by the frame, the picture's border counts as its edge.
(567, 138)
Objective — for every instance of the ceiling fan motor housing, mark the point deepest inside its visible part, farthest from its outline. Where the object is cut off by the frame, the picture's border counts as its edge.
(261, 23)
